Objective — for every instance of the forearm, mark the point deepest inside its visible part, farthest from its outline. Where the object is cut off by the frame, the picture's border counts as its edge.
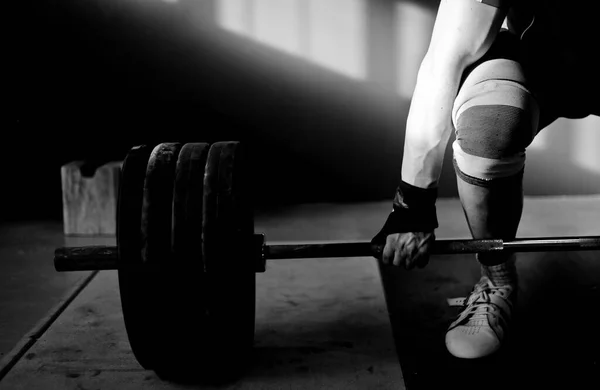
(429, 123)
(463, 32)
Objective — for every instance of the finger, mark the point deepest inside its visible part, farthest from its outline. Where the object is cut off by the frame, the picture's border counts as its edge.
(398, 258)
(388, 250)
(403, 247)
(425, 246)
(411, 251)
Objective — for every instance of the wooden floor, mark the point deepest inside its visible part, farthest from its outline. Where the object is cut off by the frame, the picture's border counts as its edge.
(333, 324)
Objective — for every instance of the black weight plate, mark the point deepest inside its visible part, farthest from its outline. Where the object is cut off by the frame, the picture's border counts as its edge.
(134, 285)
(157, 206)
(183, 284)
(145, 236)
(155, 242)
(188, 197)
(227, 231)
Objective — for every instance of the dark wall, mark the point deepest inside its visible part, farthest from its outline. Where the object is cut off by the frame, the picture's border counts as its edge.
(94, 78)
(90, 79)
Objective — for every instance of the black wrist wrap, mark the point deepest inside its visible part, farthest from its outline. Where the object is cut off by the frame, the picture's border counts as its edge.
(413, 211)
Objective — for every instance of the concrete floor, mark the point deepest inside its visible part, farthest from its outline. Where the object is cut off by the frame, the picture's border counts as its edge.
(30, 287)
(314, 341)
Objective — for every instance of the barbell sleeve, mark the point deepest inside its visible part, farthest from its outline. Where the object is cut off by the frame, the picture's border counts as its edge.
(553, 244)
(90, 258)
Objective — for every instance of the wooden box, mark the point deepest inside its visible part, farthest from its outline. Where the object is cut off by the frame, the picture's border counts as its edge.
(90, 198)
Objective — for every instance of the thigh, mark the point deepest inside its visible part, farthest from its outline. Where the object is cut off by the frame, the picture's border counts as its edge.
(558, 98)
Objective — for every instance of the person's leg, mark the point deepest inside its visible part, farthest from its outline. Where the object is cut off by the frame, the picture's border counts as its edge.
(496, 118)
(494, 212)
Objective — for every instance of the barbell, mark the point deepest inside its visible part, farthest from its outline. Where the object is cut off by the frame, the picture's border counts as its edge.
(187, 255)
(101, 257)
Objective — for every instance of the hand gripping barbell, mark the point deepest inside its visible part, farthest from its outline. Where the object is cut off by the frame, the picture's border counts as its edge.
(187, 254)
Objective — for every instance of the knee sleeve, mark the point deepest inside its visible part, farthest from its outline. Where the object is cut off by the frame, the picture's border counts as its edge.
(495, 119)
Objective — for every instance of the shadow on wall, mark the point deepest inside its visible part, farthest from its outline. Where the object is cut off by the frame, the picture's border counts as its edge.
(319, 90)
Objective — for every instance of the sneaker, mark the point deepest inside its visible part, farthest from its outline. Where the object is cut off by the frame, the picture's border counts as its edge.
(481, 326)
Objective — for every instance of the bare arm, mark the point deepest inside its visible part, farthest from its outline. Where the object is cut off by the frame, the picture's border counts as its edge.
(463, 32)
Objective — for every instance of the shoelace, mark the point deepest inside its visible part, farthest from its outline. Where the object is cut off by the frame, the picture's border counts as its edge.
(479, 303)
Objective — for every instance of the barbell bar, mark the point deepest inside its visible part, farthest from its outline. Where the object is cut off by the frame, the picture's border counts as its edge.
(92, 258)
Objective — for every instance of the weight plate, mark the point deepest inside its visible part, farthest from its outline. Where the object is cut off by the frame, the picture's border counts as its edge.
(227, 232)
(184, 331)
(134, 286)
(188, 202)
(157, 206)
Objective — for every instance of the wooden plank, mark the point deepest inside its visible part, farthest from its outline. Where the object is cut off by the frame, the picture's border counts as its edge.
(90, 201)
